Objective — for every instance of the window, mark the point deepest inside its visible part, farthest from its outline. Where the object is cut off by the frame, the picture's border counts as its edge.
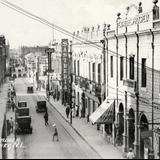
(99, 73)
(94, 106)
(144, 73)
(78, 69)
(121, 68)
(89, 70)
(94, 72)
(111, 66)
(75, 67)
(155, 12)
(131, 61)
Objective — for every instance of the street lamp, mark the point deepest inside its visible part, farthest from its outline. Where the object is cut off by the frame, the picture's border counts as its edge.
(49, 51)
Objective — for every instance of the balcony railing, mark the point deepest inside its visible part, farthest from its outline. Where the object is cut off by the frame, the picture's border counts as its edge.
(89, 86)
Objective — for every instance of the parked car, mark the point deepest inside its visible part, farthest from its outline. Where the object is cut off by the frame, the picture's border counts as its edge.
(41, 106)
(30, 89)
(23, 125)
(22, 111)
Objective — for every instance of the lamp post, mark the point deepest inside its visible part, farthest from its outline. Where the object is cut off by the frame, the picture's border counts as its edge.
(49, 51)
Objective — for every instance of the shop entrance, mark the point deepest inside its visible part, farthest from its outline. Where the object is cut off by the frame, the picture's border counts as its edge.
(83, 111)
(120, 129)
(144, 128)
(131, 123)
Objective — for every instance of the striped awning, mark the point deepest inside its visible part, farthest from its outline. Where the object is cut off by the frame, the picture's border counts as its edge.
(105, 114)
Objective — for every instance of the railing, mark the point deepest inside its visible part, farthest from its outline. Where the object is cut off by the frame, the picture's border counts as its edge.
(89, 86)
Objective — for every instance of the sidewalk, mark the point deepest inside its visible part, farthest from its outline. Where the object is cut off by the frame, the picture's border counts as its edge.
(11, 137)
(90, 135)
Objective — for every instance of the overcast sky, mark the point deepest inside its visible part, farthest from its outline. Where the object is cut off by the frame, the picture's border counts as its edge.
(69, 14)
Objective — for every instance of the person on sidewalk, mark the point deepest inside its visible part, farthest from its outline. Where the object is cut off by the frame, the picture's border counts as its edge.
(12, 125)
(54, 96)
(130, 154)
(8, 127)
(46, 118)
(55, 133)
(67, 111)
(58, 96)
(13, 106)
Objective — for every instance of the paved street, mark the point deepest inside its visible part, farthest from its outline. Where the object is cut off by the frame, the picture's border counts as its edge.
(40, 144)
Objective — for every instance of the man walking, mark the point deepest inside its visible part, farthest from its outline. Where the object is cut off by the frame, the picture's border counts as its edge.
(130, 154)
(12, 124)
(55, 133)
(67, 111)
(46, 118)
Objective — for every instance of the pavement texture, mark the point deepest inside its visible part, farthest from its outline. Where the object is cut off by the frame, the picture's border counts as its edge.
(39, 145)
(89, 134)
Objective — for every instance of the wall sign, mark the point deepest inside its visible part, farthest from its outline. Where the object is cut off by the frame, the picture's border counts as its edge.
(139, 19)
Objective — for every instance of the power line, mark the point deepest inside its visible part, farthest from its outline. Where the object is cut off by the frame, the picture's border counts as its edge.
(59, 29)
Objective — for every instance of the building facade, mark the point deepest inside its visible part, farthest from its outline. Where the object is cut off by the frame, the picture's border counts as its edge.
(88, 77)
(2, 58)
(117, 79)
(132, 54)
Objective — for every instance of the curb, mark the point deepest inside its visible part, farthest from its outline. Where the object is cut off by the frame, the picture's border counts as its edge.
(123, 154)
(75, 129)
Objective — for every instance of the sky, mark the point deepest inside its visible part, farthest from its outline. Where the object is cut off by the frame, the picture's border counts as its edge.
(71, 15)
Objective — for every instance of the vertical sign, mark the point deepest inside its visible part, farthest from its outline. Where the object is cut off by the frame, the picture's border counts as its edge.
(65, 69)
(49, 51)
(49, 61)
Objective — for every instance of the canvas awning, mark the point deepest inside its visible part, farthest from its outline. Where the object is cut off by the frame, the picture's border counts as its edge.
(104, 114)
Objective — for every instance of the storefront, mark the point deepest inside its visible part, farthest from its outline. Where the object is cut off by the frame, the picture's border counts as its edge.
(105, 115)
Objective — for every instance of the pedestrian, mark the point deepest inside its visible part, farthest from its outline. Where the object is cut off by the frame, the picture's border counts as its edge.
(46, 118)
(67, 111)
(54, 97)
(13, 106)
(8, 127)
(55, 133)
(12, 125)
(130, 154)
(58, 96)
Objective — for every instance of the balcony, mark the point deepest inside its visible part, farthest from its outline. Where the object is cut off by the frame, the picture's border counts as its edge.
(98, 90)
(129, 85)
(89, 86)
(84, 83)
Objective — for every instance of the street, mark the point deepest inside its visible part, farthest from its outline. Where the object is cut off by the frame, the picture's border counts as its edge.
(39, 145)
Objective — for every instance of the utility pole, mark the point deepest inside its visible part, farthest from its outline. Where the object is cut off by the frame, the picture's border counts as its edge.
(71, 82)
(152, 151)
(137, 137)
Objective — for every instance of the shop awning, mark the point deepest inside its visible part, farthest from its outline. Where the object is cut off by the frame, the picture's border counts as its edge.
(94, 98)
(104, 114)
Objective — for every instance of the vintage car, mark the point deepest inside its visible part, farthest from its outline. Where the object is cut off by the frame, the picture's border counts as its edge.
(22, 112)
(41, 106)
(22, 104)
(30, 89)
(23, 125)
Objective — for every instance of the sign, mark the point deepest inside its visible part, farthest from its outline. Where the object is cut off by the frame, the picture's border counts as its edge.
(49, 51)
(129, 85)
(49, 61)
(65, 64)
(139, 19)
